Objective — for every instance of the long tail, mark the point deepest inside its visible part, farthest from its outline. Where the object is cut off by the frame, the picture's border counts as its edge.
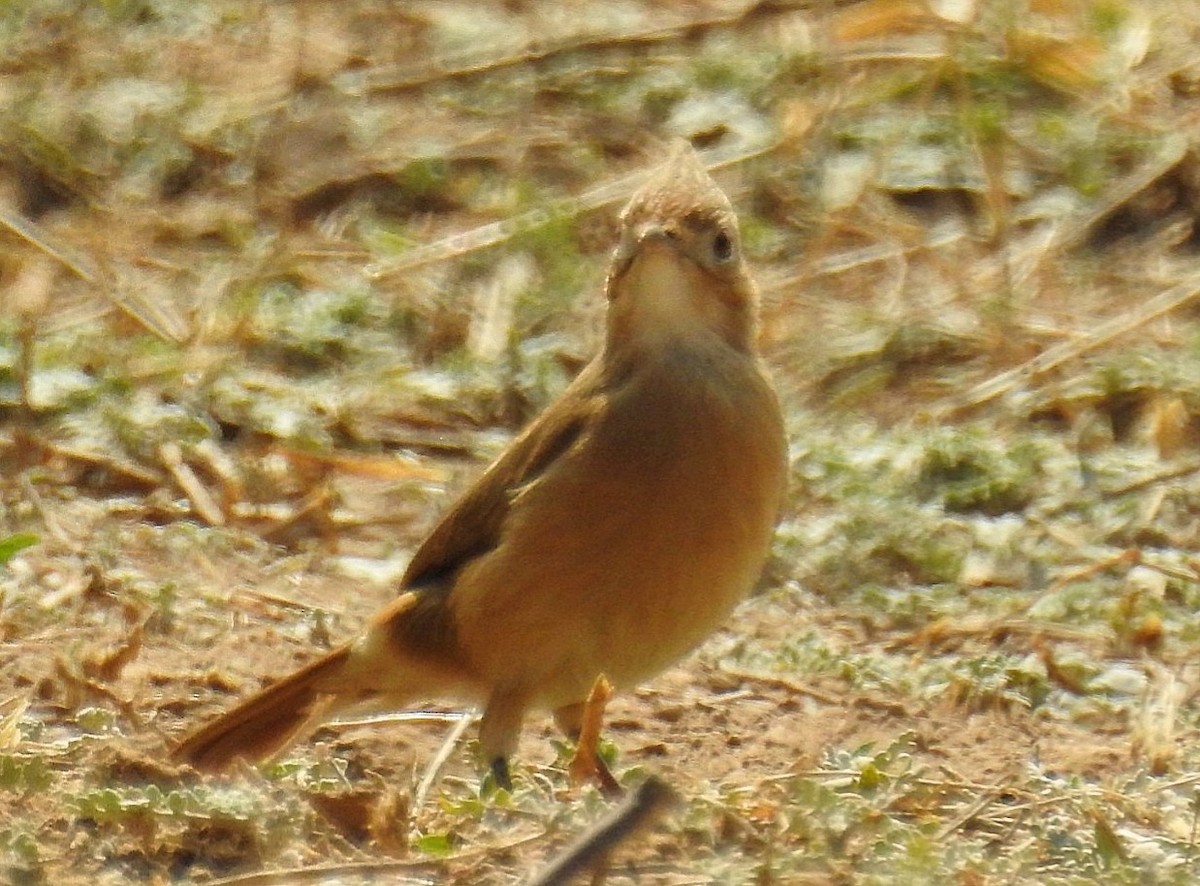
(267, 722)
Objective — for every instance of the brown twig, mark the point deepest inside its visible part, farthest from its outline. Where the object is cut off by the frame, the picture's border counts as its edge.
(408, 77)
(363, 870)
(81, 687)
(316, 506)
(154, 316)
(495, 233)
(795, 687)
(131, 472)
(328, 873)
(34, 234)
(647, 802)
(1011, 379)
(171, 456)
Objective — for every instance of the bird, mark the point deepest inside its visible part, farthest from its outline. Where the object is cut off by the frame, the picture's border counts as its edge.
(612, 536)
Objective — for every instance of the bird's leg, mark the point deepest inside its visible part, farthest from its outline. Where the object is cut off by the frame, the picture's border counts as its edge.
(499, 770)
(499, 731)
(582, 722)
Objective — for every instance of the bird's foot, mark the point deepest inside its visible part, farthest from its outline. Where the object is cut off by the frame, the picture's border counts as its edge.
(587, 765)
(501, 773)
(591, 767)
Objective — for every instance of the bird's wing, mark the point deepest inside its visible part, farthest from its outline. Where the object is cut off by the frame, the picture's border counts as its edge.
(474, 524)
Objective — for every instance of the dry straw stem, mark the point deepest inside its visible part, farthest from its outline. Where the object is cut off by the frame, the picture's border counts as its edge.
(1108, 556)
(433, 770)
(1074, 230)
(170, 454)
(127, 470)
(774, 681)
(1015, 267)
(1041, 246)
(155, 317)
(12, 712)
(1154, 739)
(1012, 379)
(369, 871)
(364, 872)
(842, 262)
(944, 631)
(970, 813)
(34, 234)
(1166, 475)
(495, 233)
(401, 78)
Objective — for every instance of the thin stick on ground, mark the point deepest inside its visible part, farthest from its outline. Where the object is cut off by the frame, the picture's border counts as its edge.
(403, 78)
(434, 770)
(495, 233)
(364, 872)
(171, 456)
(1051, 358)
(650, 800)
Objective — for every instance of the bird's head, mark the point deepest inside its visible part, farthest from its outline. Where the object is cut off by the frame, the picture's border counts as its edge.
(678, 270)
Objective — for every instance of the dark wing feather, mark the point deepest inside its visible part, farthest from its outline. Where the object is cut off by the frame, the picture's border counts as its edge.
(474, 524)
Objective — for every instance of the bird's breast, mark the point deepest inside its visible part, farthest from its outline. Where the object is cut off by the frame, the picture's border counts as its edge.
(637, 542)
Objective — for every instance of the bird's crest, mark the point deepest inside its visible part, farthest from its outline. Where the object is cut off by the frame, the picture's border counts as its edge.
(680, 187)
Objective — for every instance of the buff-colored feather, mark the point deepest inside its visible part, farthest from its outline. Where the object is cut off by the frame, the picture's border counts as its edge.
(611, 537)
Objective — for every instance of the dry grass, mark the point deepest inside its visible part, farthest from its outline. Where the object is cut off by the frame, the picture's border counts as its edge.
(277, 278)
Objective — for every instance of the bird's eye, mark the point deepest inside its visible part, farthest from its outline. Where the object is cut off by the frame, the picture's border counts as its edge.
(722, 247)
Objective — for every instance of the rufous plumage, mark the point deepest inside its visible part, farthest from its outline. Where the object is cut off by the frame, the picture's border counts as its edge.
(613, 535)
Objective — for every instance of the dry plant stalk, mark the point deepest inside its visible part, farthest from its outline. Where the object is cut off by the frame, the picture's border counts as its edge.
(494, 233)
(400, 78)
(206, 508)
(162, 320)
(650, 800)
(433, 770)
(1029, 371)
(1154, 739)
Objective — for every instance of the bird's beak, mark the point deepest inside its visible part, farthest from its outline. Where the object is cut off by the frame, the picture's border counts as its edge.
(647, 234)
(652, 232)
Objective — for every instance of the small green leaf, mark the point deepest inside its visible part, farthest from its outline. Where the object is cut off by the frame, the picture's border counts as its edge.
(870, 777)
(435, 844)
(14, 544)
(24, 774)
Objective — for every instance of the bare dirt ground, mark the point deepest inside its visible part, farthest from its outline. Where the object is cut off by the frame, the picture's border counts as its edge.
(709, 729)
